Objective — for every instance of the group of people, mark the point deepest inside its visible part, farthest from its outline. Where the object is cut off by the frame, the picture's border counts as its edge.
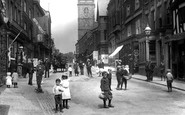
(61, 93)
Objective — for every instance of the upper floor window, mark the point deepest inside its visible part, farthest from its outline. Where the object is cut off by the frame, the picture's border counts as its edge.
(15, 14)
(138, 27)
(29, 13)
(25, 26)
(129, 31)
(136, 4)
(128, 10)
(25, 6)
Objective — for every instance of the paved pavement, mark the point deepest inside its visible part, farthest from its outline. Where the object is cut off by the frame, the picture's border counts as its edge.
(24, 101)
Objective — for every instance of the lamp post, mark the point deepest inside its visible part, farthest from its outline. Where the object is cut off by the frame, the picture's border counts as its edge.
(147, 32)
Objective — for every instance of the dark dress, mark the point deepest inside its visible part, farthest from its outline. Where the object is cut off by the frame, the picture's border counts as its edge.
(105, 88)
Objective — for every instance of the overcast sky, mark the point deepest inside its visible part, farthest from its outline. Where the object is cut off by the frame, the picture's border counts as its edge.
(64, 15)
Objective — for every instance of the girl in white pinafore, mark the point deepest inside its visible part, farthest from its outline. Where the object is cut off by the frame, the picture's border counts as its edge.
(66, 95)
(8, 80)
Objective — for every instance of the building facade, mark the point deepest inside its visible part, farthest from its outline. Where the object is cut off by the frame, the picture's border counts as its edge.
(19, 30)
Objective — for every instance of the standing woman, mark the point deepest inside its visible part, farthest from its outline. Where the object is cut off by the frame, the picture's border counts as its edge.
(119, 75)
(89, 72)
(106, 90)
(125, 73)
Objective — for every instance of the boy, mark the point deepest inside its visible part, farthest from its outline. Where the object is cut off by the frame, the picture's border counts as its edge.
(57, 90)
(169, 78)
(106, 90)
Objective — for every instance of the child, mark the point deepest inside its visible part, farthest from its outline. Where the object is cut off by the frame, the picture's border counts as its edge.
(70, 69)
(66, 93)
(8, 80)
(57, 90)
(106, 90)
(15, 78)
(169, 78)
(110, 78)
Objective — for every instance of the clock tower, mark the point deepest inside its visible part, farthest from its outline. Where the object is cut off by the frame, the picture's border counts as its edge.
(85, 16)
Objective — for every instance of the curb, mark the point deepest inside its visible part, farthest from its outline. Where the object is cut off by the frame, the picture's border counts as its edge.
(159, 84)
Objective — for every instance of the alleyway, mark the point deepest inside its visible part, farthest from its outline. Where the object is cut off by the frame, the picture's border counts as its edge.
(141, 98)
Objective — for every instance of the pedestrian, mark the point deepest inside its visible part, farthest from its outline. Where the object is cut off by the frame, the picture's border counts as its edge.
(39, 73)
(147, 70)
(66, 95)
(13, 66)
(104, 85)
(70, 69)
(169, 78)
(119, 74)
(152, 67)
(89, 65)
(110, 78)
(101, 68)
(15, 78)
(8, 80)
(76, 68)
(162, 71)
(57, 91)
(125, 72)
(47, 65)
(30, 72)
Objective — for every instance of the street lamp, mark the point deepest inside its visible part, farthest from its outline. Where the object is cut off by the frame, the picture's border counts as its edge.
(147, 32)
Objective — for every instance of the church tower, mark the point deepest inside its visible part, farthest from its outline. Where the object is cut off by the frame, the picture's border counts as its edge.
(85, 16)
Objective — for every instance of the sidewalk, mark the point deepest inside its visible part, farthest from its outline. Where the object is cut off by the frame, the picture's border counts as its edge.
(180, 85)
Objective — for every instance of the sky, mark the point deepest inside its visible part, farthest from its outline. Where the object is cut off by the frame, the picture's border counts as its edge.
(64, 26)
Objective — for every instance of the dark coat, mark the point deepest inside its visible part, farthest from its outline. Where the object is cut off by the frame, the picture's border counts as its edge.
(105, 84)
(119, 73)
(31, 67)
(39, 72)
(101, 65)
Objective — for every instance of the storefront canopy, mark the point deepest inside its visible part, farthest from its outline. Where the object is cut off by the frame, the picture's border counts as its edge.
(116, 51)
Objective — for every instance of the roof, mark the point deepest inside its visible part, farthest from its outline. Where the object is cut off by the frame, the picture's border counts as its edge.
(102, 7)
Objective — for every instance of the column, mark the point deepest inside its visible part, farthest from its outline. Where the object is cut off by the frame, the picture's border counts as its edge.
(147, 49)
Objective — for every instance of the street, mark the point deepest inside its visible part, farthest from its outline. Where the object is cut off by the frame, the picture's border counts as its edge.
(141, 98)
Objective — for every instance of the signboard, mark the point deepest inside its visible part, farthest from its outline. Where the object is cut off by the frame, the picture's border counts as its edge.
(104, 58)
(95, 55)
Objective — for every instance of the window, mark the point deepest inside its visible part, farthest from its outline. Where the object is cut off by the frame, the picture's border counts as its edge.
(129, 33)
(11, 10)
(136, 4)
(25, 26)
(15, 14)
(138, 27)
(25, 6)
(29, 13)
(19, 17)
(128, 10)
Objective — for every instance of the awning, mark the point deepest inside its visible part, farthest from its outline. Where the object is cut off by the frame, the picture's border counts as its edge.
(116, 51)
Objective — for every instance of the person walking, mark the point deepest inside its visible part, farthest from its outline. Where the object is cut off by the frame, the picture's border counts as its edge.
(70, 69)
(89, 65)
(147, 70)
(104, 85)
(39, 73)
(76, 69)
(169, 78)
(31, 71)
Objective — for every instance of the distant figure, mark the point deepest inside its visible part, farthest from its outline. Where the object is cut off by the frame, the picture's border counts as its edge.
(8, 80)
(147, 70)
(30, 71)
(89, 65)
(76, 69)
(169, 78)
(15, 78)
(70, 69)
(57, 91)
(110, 78)
(47, 65)
(119, 75)
(101, 67)
(162, 70)
(81, 66)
